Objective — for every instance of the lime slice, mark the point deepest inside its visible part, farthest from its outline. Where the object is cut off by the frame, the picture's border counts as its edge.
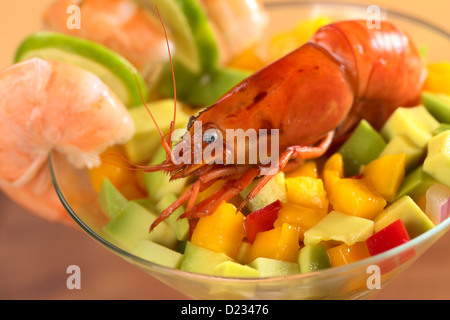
(190, 31)
(114, 70)
(199, 90)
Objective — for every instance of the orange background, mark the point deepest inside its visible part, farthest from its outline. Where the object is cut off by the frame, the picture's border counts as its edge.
(35, 254)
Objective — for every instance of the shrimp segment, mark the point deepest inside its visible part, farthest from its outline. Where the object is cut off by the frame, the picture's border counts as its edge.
(49, 105)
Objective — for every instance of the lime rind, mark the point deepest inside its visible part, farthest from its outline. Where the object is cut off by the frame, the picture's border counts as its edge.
(117, 72)
(190, 31)
(203, 34)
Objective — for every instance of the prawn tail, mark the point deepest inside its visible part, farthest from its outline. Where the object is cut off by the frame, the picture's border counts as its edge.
(385, 72)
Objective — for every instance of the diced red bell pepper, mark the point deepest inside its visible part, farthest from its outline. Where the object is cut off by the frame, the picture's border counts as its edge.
(357, 176)
(387, 238)
(261, 220)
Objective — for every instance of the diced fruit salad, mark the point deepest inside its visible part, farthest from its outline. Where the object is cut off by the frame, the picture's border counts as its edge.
(379, 190)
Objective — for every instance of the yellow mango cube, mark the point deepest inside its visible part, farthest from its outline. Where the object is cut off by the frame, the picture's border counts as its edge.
(333, 170)
(306, 191)
(438, 78)
(216, 186)
(309, 169)
(249, 59)
(114, 168)
(355, 197)
(335, 163)
(330, 178)
(280, 243)
(223, 231)
(285, 42)
(386, 174)
(344, 254)
(299, 217)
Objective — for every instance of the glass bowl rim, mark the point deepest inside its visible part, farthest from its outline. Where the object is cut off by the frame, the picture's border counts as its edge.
(399, 14)
(325, 273)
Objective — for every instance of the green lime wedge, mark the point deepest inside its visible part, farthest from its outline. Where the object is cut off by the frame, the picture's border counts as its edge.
(114, 70)
(189, 29)
(198, 90)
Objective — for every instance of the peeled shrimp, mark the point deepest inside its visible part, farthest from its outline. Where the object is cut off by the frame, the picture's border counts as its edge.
(238, 24)
(50, 105)
(120, 25)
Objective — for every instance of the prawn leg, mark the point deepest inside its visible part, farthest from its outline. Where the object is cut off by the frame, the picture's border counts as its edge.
(179, 202)
(229, 190)
(190, 195)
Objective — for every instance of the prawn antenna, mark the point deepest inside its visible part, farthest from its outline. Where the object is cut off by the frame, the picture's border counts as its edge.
(122, 162)
(163, 138)
(172, 124)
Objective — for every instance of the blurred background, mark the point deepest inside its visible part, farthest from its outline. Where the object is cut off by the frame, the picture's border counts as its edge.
(34, 254)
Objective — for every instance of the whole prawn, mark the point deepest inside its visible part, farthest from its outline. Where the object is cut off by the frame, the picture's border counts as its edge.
(312, 96)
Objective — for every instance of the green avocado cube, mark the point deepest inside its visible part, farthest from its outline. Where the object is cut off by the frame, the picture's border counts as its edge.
(211, 87)
(415, 220)
(146, 138)
(110, 199)
(235, 270)
(438, 105)
(201, 89)
(158, 183)
(243, 252)
(340, 227)
(133, 224)
(313, 258)
(401, 144)
(415, 183)
(157, 253)
(437, 162)
(274, 190)
(364, 145)
(274, 268)
(147, 203)
(181, 246)
(442, 127)
(201, 260)
(416, 123)
(179, 227)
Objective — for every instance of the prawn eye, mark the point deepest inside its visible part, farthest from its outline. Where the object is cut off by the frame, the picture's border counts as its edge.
(209, 136)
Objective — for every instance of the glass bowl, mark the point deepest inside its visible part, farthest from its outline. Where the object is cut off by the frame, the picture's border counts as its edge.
(354, 281)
